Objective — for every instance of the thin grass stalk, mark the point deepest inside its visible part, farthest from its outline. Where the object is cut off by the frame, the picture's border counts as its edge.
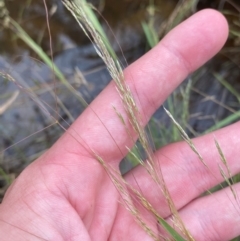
(8, 22)
(77, 8)
(38, 50)
(121, 186)
(186, 100)
(228, 120)
(25, 86)
(227, 176)
(9, 102)
(186, 137)
(228, 86)
(181, 11)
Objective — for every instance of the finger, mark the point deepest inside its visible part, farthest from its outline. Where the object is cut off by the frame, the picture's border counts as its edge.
(185, 175)
(215, 217)
(151, 79)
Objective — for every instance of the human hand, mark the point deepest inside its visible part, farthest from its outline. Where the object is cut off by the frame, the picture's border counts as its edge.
(67, 195)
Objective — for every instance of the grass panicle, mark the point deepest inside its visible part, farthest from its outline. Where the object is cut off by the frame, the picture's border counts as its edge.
(87, 20)
(186, 137)
(225, 174)
(78, 10)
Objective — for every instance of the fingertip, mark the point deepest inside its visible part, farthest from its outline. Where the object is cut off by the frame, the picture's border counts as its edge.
(217, 22)
(198, 38)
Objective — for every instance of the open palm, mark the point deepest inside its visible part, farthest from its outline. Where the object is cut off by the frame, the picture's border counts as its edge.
(67, 195)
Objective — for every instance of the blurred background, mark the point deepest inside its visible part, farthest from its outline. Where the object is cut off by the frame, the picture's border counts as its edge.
(32, 97)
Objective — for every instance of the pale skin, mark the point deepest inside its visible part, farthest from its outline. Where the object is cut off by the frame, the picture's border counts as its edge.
(66, 194)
